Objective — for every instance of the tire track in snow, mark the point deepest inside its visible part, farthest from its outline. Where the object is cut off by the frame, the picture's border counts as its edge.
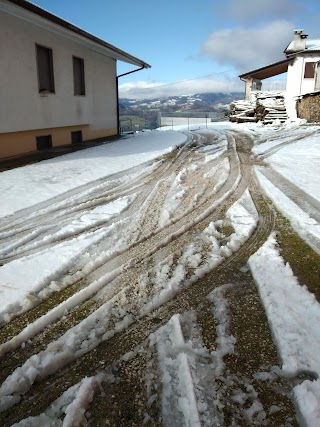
(177, 162)
(278, 147)
(166, 240)
(87, 196)
(306, 202)
(53, 219)
(105, 186)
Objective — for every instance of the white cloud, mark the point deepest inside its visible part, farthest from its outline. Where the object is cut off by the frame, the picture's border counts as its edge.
(249, 11)
(147, 90)
(246, 48)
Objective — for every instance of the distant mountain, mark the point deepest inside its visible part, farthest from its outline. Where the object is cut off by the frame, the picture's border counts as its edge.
(185, 103)
(146, 113)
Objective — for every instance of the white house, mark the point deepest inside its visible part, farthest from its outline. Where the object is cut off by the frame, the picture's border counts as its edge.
(302, 64)
(58, 83)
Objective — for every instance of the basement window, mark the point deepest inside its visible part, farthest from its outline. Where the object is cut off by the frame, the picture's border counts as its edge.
(44, 142)
(78, 76)
(309, 70)
(76, 136)
(45, 69)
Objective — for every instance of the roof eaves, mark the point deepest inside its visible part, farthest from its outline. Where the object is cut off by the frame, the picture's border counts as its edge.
(123, 56)
(283, 61)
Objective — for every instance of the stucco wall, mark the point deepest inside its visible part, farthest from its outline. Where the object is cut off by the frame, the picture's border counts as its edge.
(22, 108)
(296, 83)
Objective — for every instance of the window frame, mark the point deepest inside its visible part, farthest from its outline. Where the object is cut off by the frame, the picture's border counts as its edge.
(79, 84)
(50, 76)
(309, 66)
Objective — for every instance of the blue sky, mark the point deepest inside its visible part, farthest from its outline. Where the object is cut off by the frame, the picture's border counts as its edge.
(187, 39)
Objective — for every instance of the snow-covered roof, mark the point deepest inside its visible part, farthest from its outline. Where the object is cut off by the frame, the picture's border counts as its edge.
(311, 45)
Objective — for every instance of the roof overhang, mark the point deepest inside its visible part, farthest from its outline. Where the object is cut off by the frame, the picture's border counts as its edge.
(270, 70)
(42, 18)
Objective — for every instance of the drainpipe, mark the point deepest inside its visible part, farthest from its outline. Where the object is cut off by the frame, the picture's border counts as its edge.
(117, 85)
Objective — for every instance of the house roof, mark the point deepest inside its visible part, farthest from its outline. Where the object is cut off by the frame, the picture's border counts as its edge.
(312, 45)
(109, 49)
(270, 70)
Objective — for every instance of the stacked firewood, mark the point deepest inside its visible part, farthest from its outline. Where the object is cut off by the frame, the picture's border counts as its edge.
(270, 107)
(242, 111)
(267, 107)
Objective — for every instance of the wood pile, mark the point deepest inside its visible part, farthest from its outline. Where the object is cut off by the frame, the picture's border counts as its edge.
(308, 107)
(270, 107)
(242, 111)
(267, 107)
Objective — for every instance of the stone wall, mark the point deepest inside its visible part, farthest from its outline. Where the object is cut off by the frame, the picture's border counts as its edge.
(308, 107)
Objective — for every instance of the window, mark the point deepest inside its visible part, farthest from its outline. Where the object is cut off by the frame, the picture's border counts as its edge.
(78, 76)
(44, 142)
(76, 136)
(309, 70)
(45, 69)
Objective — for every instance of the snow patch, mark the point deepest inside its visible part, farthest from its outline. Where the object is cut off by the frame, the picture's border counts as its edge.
(294, 315)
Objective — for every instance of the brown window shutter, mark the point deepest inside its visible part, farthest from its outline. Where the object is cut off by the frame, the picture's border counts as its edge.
(309, 70)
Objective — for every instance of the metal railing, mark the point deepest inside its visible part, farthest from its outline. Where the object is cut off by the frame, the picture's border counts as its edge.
(272, 86)
(187, 118)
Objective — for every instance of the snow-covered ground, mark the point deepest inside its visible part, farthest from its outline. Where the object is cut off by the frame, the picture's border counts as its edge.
(94, 216)
(298, 160)
(27, 186)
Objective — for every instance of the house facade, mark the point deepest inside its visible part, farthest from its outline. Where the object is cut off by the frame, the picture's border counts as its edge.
(58, 83)
(302, 65)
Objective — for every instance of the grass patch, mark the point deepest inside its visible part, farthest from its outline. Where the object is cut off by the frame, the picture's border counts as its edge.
(304, 262)
(169, 156)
